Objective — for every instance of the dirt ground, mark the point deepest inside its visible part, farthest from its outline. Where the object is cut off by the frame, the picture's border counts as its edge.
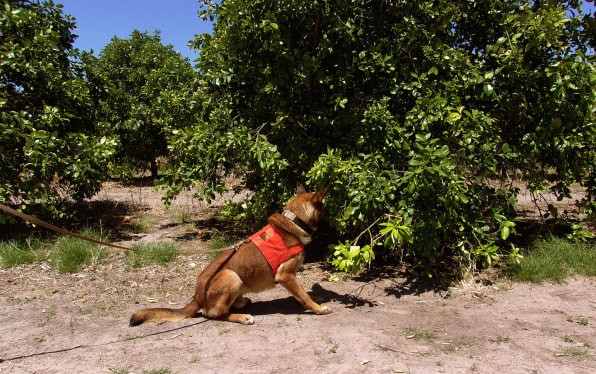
(389, 322)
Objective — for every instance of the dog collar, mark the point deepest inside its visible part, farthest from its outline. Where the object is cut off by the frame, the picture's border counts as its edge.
(297, 221)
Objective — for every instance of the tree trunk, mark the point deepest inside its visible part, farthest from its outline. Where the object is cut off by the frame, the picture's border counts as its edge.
(154, 168)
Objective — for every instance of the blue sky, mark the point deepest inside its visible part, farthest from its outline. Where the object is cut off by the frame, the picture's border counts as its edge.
(100, 20)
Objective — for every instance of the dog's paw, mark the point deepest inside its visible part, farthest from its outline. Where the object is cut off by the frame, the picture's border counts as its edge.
(322, 310)
(245, 319)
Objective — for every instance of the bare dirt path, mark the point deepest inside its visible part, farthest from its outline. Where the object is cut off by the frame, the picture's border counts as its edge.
(78, 323)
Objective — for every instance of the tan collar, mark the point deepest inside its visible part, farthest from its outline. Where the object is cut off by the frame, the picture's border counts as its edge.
(297, 221)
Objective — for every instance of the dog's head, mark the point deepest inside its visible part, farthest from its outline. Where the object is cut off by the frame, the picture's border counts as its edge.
(308, 206)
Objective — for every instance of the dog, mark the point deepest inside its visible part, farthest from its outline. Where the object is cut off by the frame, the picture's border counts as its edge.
(246, 269)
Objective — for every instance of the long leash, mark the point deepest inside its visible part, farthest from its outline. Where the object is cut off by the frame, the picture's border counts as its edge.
(39, 222)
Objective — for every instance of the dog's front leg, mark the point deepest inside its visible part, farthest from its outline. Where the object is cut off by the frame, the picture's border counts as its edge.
(288, 280)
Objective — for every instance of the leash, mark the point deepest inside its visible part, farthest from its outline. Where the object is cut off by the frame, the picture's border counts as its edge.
(39, 222)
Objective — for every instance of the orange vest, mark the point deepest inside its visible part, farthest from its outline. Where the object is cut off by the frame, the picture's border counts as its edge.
(272, 246)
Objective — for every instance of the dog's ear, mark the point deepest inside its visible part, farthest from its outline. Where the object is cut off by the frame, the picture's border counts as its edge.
(320, 194)
(300, 189)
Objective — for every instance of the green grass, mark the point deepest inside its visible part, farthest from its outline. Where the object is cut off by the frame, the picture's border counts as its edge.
(129, 369)
(159, 371)
(180, 215)
(554, 259)
(69, 255)
(21, 251)
(219, 243)
(573, 351)
(144, 253)
(66, 254)
(417, 334)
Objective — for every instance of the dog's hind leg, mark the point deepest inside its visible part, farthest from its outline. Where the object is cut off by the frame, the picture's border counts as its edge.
(241, 302)
(223, 292)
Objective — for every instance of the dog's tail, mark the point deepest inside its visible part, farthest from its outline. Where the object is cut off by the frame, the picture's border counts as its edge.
(165, 314)
(193, 307)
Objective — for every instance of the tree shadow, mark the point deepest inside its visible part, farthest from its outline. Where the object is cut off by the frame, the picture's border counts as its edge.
(405, 281)
(289, 305)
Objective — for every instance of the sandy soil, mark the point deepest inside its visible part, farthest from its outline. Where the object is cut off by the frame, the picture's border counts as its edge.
(387, 322)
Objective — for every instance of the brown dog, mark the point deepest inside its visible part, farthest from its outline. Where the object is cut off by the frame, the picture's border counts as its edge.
(236, 272)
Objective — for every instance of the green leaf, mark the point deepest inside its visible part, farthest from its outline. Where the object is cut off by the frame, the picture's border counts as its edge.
(505, 231)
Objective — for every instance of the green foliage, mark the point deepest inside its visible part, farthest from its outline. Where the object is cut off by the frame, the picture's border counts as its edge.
(579, 233)
(554, 259)
(159, 253)
(416, 113)
(143, 91)
(48, 151)
(350, 258)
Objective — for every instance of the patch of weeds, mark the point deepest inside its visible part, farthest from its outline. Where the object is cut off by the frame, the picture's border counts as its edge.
(47, 315)
(501, 339)
(383, 348)
(124, 370)
(85, 311)
(73, 323)
(138, 227)
(466, 342)
(568, 338)
(333, 349)
(575, 351)
(448, 348)
(338, 277)
(16, 300)
(158, 371)
(322, 361)
(69, 254)
(144, 253)
(221, 329)
(580, 320)
(416, 334)
(422, 353)
(18, 252)
(553, 259)
(180, 216)
(454, 346)
(140, 224)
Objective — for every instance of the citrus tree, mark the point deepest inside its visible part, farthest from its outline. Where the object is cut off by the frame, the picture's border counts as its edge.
(48, 150)
(141, 88)
(420, 115)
